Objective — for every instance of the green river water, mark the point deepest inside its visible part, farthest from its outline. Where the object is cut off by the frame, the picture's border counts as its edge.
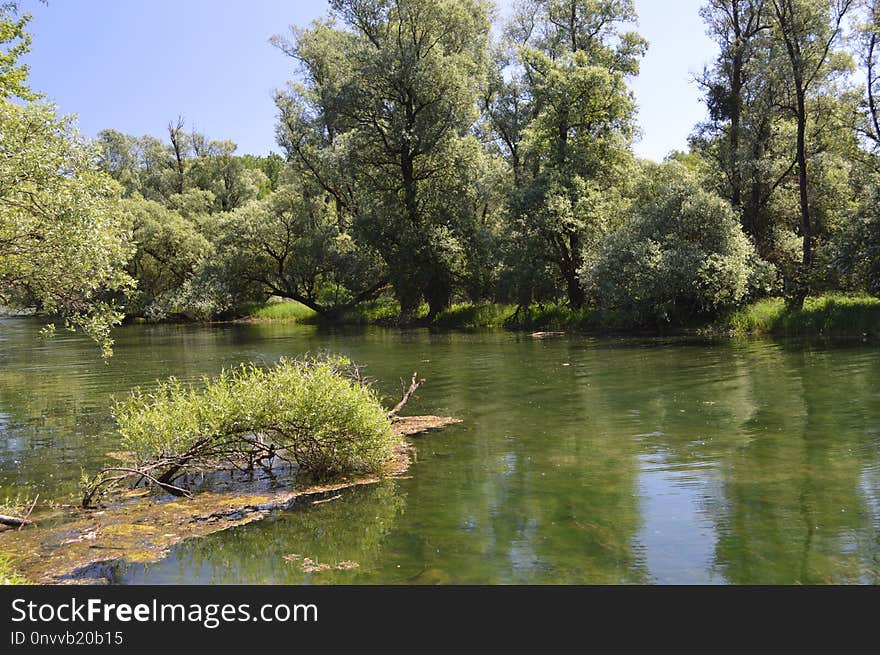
(579, 461)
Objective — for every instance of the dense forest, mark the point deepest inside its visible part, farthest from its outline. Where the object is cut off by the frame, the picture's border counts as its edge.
(429, 159)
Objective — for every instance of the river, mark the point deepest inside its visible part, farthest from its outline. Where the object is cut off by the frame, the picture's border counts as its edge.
(579, 460)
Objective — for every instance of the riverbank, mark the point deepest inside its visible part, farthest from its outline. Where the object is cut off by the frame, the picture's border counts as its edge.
(831, 315)
(835, 315)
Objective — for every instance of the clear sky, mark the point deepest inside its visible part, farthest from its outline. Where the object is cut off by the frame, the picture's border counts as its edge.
(134, 65)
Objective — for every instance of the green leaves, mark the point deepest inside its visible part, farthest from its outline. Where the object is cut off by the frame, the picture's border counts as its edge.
(15, 42)
(682, 255)
(312, 411)
(380, 122)
(573, 154)
(63, 243)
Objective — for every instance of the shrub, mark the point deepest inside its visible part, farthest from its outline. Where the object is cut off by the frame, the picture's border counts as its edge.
(681, 255)
(315, 413)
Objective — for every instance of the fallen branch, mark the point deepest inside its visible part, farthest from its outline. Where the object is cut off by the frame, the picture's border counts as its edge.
(407, 394)
(13, 521)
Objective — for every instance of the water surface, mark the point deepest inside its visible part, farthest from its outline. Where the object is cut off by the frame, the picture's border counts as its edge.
(580, 460)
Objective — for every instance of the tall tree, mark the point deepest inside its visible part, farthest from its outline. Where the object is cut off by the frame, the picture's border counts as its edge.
(868, 33)
(178, 138)
(383, 122)
(734, 86)
(576, 60)
(810, 30)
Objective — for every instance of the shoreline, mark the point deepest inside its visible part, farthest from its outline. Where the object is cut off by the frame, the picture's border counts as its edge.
(831, 315)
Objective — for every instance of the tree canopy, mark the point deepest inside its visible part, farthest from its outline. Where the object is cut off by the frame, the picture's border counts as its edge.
(429, 160)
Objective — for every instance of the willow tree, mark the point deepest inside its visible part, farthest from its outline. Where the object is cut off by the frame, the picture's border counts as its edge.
(15, 42)
(868, 43)
(382, 120)
(779, 131)
(63, 246)
(289, 245)
(574, 60)
(739, 92)
(810, 31)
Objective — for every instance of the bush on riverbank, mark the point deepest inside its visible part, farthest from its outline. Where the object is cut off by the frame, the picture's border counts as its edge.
(316, 413)
(681, 257)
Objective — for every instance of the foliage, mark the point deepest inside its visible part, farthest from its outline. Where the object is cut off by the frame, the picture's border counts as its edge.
(191, 174)
(856, 249)
(290, 245)
(681, 255)
(380, 122)
(8, 576)
(316, 413)
(274, 310)
(15, 42)
(169, 249)
(475, 316)
(424, 160)
(62, 240)
(567, 120)
(783, 125)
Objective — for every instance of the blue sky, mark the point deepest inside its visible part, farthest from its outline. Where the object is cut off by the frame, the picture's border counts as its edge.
(133, 65)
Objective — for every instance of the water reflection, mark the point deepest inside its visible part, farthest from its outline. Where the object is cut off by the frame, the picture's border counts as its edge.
(579, 461)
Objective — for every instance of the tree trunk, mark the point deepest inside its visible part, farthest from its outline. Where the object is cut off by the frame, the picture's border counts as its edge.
(802, 284)
(438, 292)
(576, 295)
(735, 127)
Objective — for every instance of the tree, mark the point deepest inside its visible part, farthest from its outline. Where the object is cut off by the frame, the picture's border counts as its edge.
(681, 255)
(160, 172)
(63, 245)
(15, 42)
(781, 161)
(180, 146)
(381, 123)
(290, 245)
(810, 30)
(575, 61)
(170, 249)
(739, 88)
(868, 43)
(232, 180)
(857, 246)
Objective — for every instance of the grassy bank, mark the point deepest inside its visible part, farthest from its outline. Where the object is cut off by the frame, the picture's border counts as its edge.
(278, 311)
(829, 315)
